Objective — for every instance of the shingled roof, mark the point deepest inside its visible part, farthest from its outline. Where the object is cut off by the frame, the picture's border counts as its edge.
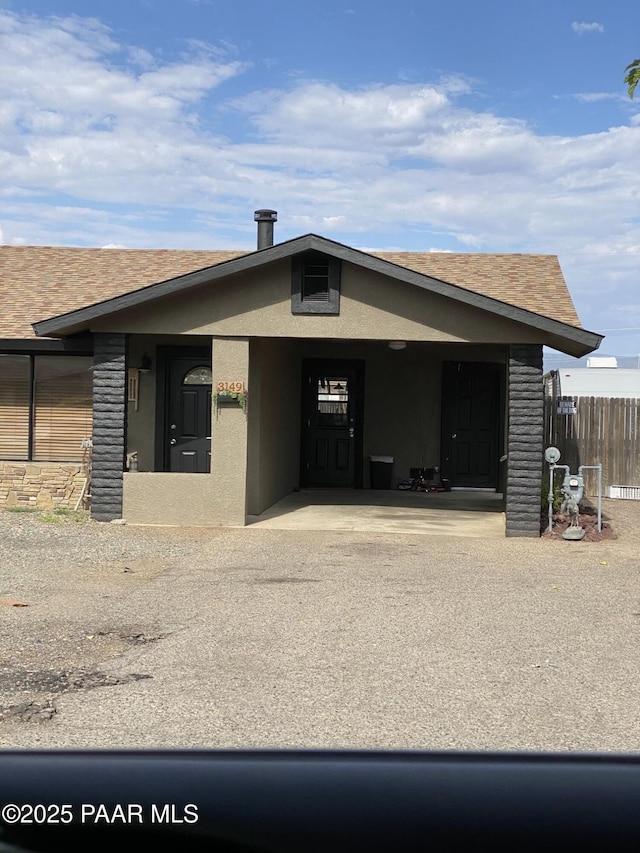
(39, 282)
(533, 282)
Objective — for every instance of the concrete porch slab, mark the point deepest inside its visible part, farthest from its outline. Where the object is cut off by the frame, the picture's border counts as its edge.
(469, 514)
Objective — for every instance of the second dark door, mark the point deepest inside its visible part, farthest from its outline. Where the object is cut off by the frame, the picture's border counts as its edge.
(332, 423)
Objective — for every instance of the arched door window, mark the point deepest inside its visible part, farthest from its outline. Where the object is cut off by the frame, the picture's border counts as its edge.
(198, 376)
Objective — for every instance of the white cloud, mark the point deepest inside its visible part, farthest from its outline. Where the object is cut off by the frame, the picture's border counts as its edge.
(76, 118)
(67, 68)
(582, 27)
(103, 144)
(595, 97)
(392, 113)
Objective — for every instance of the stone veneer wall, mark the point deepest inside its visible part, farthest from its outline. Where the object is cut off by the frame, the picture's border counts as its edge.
(524, 440)
(109, 400)
(45, 485)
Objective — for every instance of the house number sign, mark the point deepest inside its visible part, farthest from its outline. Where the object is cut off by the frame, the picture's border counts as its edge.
(230, 387)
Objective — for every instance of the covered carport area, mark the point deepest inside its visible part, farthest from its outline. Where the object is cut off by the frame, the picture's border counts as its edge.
(476, 514)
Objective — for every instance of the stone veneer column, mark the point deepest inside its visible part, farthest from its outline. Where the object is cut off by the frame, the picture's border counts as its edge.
(109, 396)
(524, 440)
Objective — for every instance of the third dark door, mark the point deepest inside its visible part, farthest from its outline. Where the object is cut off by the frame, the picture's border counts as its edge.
(471, 395)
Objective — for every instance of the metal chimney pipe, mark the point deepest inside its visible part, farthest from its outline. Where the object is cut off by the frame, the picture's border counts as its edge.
(265, 220)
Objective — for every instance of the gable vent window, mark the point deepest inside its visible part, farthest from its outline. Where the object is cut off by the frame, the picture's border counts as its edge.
(315, 284)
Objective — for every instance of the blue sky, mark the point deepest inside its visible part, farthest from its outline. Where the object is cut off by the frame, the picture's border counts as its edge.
(501, 126)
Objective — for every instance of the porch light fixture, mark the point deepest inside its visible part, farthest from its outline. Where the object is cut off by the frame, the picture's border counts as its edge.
(397, 345)
(145, 364)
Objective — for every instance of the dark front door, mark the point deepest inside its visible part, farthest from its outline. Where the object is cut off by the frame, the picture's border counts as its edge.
(471, 417)
(332, 423)
(188, 430)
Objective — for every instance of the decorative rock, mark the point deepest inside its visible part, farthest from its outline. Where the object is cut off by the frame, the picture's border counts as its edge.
(575, 533)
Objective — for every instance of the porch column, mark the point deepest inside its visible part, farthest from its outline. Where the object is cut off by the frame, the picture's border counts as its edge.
(524, 440)
(109, 387)
(230, 360)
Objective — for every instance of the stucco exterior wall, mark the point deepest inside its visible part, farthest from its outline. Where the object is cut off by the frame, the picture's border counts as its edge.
(402, 408)
(274, 422)
(372, 307)
(229, 431)
(187, 500)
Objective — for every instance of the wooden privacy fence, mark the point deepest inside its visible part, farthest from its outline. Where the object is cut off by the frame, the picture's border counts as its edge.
(603, 429)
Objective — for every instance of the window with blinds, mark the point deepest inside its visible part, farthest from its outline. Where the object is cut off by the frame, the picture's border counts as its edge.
(15, 395)
(62, 407)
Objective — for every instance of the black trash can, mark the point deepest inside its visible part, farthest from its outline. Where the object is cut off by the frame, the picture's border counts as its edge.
(381, 469)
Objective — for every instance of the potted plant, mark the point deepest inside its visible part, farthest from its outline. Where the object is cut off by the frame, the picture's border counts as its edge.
(232, 398)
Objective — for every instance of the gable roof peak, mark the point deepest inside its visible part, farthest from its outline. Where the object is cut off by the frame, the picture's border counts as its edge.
(71, 286)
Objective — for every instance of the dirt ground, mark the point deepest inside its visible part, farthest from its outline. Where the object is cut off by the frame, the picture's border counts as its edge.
(166, 638)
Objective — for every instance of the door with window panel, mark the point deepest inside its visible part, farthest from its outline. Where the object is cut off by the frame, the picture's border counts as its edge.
(331, 421)
(189, 410)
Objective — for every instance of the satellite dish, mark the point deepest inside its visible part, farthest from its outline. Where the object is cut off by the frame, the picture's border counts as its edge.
(552, 454)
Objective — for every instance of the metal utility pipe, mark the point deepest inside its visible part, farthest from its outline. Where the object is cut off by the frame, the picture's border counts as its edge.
(552, 468)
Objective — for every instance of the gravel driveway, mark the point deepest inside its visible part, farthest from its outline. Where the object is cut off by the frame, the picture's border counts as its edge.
(137, 637)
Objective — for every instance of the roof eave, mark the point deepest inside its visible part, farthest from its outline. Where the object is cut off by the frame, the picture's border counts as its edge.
(580, 342)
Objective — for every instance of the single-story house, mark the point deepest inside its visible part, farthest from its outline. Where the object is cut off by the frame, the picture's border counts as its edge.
(212, 384)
